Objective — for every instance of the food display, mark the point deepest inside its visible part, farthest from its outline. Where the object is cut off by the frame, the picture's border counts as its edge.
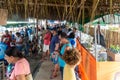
(88, 43)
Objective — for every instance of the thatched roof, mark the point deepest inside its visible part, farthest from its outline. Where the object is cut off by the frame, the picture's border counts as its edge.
(58, 9)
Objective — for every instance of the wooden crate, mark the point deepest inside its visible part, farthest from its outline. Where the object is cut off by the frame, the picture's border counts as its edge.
(113, 57)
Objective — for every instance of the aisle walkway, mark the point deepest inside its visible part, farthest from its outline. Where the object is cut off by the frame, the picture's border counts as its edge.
(44, 72)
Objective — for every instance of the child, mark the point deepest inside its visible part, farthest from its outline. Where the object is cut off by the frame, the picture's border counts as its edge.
(72, 58)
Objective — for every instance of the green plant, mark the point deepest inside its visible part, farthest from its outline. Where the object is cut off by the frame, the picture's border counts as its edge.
(115, 49)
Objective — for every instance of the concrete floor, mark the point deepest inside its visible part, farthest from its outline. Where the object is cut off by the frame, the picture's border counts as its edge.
(44, 71)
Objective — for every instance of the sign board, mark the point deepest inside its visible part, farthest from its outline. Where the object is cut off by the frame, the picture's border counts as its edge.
(3, 16)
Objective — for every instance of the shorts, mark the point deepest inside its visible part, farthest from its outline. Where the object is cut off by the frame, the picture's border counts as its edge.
(45, 48)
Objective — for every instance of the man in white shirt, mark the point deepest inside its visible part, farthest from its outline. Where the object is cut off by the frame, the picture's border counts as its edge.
(77, 35)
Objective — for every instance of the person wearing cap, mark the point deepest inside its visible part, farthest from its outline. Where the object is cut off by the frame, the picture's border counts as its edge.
(6, 35)
(77, 35)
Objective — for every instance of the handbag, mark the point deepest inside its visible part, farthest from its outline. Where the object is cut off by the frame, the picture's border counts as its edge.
(29, 77)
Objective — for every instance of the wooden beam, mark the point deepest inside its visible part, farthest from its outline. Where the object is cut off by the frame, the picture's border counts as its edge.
(58, 11)
(65, 10)
(69, 14)
(16, 7)
(49, 4)
(35, 5)
(79, 14)
(94, 7)
(10, 8)
(83, 12)
(26, 7)
(111, 16)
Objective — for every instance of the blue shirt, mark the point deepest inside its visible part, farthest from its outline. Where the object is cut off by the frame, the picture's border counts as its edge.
(3, 48)
(60, 60)
(53, 42)
(29, 31)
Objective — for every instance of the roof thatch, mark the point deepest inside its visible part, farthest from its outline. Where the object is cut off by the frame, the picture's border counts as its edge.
(74, 10)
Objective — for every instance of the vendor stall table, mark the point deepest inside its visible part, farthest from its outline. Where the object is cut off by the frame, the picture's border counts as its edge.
(90, 69)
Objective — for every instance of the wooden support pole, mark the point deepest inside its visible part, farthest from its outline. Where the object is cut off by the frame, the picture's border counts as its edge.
(65, 10)
(10, 7)
(59, 16)
(34, 13)
(83, 12)
(71, 9)
(79, 14)
(16, 7)
(94, 7)
(26, 7)
(111, 17)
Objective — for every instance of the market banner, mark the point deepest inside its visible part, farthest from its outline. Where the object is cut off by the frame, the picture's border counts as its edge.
(3, 16)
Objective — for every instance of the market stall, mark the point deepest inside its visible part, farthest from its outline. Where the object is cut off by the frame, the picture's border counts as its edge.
(90, 69)
(98, 62)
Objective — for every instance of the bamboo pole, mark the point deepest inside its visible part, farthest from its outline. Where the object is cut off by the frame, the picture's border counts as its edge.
(111, 17)
(83, 12)
(43, 7)
(79, 14)
(58, 10)
(26, 7)
(16, 9)
(29, 6)
(10, 7)
(46, 9)
(65, 10)
(73, 14)
(71, 8)
(95, 4)
(34, 13)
